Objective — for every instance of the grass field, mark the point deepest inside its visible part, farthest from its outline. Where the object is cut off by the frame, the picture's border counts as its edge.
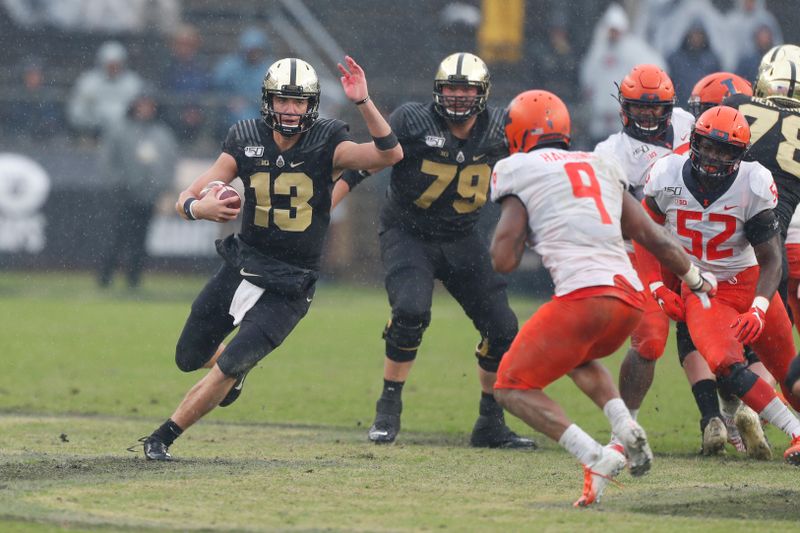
(87, 372)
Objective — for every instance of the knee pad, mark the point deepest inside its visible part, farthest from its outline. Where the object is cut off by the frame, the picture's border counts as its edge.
(683, 341)
(793, 375)
(736, 379)
(491, 351)
(403, 335)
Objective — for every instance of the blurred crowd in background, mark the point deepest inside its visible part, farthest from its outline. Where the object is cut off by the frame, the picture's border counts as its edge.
(71, 69)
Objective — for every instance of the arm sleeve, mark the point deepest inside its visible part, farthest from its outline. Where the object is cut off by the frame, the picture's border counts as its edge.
(353, 177)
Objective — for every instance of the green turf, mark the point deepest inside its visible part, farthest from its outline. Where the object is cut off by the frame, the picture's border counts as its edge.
(87, 372)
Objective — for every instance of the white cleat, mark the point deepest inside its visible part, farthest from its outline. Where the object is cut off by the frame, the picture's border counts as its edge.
(640, 457)
(734, 438)
(752, 433)
(597, 477)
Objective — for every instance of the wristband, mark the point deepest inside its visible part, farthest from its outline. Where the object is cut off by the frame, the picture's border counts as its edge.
(386, 143)
(655, 286)
(362, 102)
(187, 208)
(761, 303)
(692, 278)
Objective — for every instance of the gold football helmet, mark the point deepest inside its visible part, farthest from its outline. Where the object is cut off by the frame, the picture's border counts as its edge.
(290, 78)
(466, 70)
(780, 83)
(776, 53)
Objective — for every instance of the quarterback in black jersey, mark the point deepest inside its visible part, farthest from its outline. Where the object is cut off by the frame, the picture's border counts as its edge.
(427, 232)
(288, 161)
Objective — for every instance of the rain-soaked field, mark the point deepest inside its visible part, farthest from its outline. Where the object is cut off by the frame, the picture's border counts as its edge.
(87, 372)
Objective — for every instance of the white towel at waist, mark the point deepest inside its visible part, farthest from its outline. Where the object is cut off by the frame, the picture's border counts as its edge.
(244, 299)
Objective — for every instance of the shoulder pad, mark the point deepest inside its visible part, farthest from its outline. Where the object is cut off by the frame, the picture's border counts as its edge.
(319, 134)
(246, 132)
(413, 119)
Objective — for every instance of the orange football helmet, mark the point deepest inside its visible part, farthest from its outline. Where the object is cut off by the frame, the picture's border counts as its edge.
(535, 118)
(711, 90)
(646, 96)
(720, 138)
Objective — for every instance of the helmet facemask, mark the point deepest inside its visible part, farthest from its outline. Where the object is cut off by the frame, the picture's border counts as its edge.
(458, 108)
(276, 120)
(713, 159)
(645, 123)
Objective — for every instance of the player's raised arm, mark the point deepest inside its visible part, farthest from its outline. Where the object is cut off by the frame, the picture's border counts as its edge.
(384, 150)
(189, 207)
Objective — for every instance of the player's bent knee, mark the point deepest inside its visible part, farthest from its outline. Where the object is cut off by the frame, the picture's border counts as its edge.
(403, 335)
(649, 348)
(490, 352)
(735, 379)
(186, 357)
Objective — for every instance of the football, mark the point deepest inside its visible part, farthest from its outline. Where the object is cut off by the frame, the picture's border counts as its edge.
(225, 192)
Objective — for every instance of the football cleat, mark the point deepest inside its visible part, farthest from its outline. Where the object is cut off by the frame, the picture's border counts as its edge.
(234, 393)
(599, 475)
(715, 435)
(155, 450)
(387, 421)
(792, 453)
(634, 439)
(492, 432)
(734, 438)
(752, 433)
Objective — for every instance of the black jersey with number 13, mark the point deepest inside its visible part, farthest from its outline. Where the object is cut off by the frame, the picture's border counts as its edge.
(287, 195)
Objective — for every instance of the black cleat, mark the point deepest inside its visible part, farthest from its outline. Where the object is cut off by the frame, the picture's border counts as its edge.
(234, 393)
(155, 450)
(492, 432)
(387, 421)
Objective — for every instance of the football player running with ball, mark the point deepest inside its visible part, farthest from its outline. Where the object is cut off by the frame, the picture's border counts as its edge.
(723, 211)
(288, 161)
(428, 232)
(574, 207)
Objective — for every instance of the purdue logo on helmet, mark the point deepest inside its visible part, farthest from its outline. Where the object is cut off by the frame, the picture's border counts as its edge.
(711, 90)
(720, 138)
(461, 69)
(646, 97)
(779, 83)
(290, 78)
(776, 53)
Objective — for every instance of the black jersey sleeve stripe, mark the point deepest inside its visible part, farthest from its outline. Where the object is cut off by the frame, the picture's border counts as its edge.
(240, 135)
(254, 130)
(248, 131)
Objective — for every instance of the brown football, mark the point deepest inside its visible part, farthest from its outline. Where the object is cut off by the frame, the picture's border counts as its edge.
(229, 192)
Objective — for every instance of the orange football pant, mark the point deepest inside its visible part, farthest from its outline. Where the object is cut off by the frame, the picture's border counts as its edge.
(712, 333)
(650, 336)
(562, 335)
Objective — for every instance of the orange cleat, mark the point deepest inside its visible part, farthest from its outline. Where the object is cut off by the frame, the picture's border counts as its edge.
(792, 453)
(599, 475)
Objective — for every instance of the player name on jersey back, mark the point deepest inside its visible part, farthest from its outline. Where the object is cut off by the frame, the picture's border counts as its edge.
(574, 204)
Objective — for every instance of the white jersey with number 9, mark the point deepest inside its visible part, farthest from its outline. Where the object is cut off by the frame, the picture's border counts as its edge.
(574, 203)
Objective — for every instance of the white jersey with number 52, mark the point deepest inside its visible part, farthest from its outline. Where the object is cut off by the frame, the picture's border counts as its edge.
(574, 203)
(793, 236)
(714, 234)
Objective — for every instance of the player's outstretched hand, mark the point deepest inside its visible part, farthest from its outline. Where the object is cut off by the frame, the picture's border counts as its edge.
(354, 82)
(670, 302)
